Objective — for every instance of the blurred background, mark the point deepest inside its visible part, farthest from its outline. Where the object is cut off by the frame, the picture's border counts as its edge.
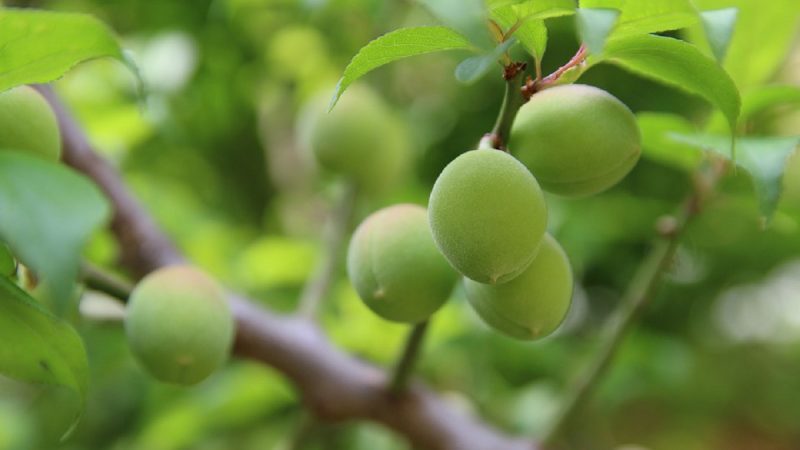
(216, 154)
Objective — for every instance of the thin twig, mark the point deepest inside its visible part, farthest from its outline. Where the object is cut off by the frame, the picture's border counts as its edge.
(512, 101)
(97, 279)
(408, 359)
(642, 289)
(318, 285)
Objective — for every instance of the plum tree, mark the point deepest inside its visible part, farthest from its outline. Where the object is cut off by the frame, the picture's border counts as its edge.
(395, 266)
(487, 215)
(179, 325)
(360, 139)
(577, 140)
(531, 305)
(28, 124)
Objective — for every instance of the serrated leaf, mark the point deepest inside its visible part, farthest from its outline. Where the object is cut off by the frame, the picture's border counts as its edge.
(38, 347)
(678, 64)
(544, 9)
(764, 158)
(40, 46)
(472, 69)
(659, 146)
(528, 16)
(594, 26)
(396, 45)
(718, 26)
(47, 213)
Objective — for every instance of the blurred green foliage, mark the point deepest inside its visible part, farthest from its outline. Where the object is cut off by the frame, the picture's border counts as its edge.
(213, 154)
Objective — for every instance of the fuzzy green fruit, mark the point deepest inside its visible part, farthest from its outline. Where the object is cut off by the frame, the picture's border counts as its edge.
(577, 140)
(179, 325)
(359, 139)
(531, 305)
(487, 215)
(28, 124)
(395, 266)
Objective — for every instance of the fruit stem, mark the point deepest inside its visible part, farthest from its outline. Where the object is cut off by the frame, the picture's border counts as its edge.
(405, 365)
(334, 236)
(96, 279)
(642, 289)
(512, 101)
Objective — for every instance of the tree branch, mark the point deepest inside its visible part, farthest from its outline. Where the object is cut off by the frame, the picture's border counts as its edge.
(334, 385)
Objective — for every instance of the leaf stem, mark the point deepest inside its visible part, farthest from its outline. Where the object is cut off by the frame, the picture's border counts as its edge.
(334, 236)
(512, 101)
(405, 365)
(98, 279)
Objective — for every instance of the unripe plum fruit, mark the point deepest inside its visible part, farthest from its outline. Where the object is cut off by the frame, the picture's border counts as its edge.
(487, 215)
(577, 140)
(531, 305)
(28, 124)
(395, 267)
(179, 325)
(359, 139)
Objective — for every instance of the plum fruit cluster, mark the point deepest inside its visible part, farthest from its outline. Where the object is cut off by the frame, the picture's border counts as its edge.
(487, 215)
(178, 324)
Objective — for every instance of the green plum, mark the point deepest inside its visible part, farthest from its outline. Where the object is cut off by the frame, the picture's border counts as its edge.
(359, 139)
(577, 140)
(395, 267)
(28, 124)
(488, 215)
(531, 305)
(179, 325)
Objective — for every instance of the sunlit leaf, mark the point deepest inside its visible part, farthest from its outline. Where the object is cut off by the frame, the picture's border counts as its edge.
(397, 45)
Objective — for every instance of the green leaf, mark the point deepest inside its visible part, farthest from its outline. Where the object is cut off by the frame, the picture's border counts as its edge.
(531, 31)
(659, 146)
(678, 64)
(718, 26)
(8, 265)
(764, 158)
(765, 97)
(40, 46)
(543, 9)
(652, 16)
(38, 347)
(765, 32)
(594, 26)
(47, 213)
(472, 69)
(397, 45)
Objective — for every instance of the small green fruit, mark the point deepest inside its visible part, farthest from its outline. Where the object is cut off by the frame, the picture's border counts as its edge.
(577, 140)
(359, 139)
(487, 215)
(28, 124)
(395, 266)
(179, 325)
(532, 305)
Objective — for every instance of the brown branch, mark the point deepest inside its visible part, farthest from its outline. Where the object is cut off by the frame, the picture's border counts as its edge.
(334, 385)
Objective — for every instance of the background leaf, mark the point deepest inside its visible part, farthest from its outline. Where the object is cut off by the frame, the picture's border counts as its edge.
(47, 213)
(719, 25)
(658, 145)
(396, 45)
(594, 26)
(472, 69)
(468, 17)
(679, 64)
(652, 16)
(764, 158)
(40, 46)
(38, 347)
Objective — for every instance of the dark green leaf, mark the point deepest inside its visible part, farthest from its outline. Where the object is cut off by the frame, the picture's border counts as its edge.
(718, 25)
(47, 213)
(472, 69)
(678, 64)
(38, 347)
(397, 45)
(764, 158)
(40, 46)
(594, 26)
